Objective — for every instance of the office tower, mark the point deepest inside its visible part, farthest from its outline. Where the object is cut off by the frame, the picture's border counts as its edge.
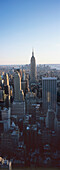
(23, 74)
(18, 105)
(6, 79)
(33, 72)
(6, 118)
(7, 87)
(1, 95)
(17, 86)
(7, 90)
(50, 119)
(49, 92)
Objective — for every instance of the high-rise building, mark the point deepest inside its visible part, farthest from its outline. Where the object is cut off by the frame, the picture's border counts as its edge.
(6, 118)
(18, 105)
(49, 92)
(33, 71)
(6, 77)
(23, 74)
(17, 86)
(50, 119)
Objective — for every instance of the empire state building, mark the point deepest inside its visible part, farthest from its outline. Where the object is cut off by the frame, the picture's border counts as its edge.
(33, 72)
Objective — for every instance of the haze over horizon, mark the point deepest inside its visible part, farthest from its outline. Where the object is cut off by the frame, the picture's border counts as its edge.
(27, 24)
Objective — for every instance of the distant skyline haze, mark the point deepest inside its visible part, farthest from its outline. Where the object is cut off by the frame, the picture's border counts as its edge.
(27, 24)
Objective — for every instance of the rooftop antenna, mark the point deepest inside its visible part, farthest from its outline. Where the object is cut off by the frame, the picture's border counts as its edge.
(32, 52)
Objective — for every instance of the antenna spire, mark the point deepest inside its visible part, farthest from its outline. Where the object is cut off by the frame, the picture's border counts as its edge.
(32, 53)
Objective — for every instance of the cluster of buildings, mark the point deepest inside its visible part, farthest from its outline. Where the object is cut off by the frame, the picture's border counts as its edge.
(30, 115)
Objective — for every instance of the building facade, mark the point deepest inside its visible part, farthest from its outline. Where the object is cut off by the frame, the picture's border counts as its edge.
(17, 86)
(49, 92)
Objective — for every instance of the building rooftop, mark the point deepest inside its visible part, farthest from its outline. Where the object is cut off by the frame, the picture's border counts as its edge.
(49, 78)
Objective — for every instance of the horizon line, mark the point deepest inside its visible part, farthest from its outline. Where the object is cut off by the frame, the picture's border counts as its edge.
(29, 64)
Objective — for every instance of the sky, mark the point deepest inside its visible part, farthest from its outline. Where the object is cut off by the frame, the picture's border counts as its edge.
(27, 25)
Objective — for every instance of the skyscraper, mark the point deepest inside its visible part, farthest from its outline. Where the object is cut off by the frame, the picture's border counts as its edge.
(17, 86)
(50, 119)
(33, 72)
(6, 77)
(18, 105)
(49, 92)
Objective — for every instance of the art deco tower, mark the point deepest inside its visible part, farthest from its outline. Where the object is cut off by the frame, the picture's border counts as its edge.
(33, 72)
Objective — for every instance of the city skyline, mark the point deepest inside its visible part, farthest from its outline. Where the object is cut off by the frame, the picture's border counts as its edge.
(26, 25)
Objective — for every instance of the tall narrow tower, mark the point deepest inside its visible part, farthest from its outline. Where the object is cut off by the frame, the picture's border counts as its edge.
(33, 71)
(17, 86)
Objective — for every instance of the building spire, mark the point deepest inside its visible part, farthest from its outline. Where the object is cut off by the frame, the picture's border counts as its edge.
(32, 53)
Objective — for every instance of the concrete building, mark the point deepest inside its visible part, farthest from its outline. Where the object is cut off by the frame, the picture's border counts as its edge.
(23, 74)
(18, 109)
(49, 92)
(30, 99)
(23, 86)
(1, 95)
(10, 140)
(50, 119)
(33, 71)
(18, 93)
(17, 86)
(18, 106)
(6, 79)
(5, 120)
